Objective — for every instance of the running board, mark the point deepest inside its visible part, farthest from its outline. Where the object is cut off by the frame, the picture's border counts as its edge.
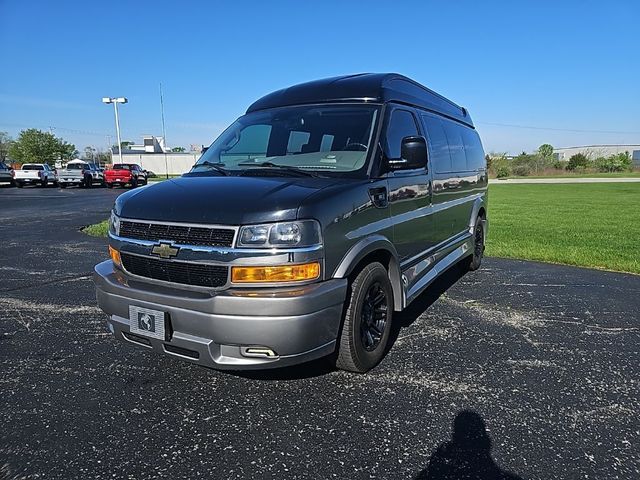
(447, 262)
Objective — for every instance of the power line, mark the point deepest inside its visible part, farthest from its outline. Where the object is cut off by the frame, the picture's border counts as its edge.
(551, 129)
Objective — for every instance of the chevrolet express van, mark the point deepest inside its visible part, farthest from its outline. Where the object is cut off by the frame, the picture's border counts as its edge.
(302, 229)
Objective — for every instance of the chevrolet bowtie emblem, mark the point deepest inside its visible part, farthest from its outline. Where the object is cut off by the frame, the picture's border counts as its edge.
(165, 250)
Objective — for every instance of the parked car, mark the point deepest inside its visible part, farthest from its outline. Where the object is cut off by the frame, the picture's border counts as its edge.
(125, 174)
(80, 173)
(6, 173)
(314, 218)
(34, 174)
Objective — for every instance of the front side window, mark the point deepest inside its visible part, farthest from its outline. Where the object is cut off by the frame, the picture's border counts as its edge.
(401, 124)
(321, 138)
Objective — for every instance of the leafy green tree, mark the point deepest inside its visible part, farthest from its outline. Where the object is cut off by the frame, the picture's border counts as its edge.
(103, 158)
(178, 149)
(546, 152)
(36, 146)
(578, 161)
(5, 143)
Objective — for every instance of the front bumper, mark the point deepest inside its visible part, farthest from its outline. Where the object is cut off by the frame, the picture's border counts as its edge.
(299, 323)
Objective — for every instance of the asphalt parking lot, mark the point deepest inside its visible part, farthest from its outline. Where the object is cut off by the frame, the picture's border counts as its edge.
(546, 356)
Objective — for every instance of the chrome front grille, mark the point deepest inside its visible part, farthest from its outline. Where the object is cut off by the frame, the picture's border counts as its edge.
(186, 273)
(182, 234)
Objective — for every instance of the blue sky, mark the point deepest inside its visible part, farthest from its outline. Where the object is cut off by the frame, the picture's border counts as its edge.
(571, 69)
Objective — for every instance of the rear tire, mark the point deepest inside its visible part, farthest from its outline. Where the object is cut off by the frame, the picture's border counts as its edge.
(134, 182)
(109, 185)
(19, 184)
(44, 183)
(478, 246)
(62, 185)
(367, 320)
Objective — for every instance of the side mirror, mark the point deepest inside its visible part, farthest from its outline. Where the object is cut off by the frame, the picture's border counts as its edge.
(414, 152)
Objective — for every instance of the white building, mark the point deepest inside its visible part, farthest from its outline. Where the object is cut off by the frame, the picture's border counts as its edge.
(595, 151)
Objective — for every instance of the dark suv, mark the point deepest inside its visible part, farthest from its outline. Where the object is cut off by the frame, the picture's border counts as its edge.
(300, 231)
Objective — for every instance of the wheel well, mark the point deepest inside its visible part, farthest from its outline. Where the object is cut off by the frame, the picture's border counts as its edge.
(482, 213)
(391, 265)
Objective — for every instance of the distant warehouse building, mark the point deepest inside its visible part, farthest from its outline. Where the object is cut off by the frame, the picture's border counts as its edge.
(153, 155)
(595, 151)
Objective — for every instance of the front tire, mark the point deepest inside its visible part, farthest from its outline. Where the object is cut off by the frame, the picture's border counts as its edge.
(367, 320)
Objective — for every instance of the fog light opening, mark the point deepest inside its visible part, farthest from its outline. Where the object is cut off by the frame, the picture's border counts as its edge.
(258, 352)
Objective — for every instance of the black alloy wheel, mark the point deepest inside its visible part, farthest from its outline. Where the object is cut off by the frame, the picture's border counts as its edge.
(373, 317)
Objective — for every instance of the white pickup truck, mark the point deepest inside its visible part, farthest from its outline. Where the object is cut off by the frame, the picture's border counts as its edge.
(34, 173)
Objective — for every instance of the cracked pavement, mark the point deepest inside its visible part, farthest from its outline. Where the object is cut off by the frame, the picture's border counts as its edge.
(547, 355)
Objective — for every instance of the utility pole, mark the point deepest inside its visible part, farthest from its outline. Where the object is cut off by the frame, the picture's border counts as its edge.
(164, 134)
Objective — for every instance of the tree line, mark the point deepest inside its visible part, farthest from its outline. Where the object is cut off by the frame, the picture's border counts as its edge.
(36, 146)
(543, 162)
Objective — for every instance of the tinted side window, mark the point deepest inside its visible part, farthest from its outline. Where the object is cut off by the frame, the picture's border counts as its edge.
(456, 146)
(438, 145)
(401, 124)
(473, 149)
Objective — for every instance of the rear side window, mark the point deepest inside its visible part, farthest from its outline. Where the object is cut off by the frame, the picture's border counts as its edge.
(473, 149)
(401, 124)
(438, 145)
(456, 146)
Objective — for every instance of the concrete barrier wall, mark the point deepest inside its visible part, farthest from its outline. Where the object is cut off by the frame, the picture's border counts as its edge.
(176, 163)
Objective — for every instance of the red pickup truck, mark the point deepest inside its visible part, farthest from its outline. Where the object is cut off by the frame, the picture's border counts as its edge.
(125, 173)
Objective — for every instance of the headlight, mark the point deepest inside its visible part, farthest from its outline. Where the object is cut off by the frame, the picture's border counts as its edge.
(114, 224)
(304, 233)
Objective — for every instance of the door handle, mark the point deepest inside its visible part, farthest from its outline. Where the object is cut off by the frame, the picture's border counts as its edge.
(379, 197)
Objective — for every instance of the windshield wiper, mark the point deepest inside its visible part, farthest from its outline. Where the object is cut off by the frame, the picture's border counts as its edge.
(213, 166)
(287, 168)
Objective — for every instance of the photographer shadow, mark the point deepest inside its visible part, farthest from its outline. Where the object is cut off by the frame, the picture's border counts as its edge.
(467, 455)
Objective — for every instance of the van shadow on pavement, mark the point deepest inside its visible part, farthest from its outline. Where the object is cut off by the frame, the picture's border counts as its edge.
(467, 455)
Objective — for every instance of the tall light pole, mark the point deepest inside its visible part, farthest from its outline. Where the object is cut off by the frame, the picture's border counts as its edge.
(116, 101)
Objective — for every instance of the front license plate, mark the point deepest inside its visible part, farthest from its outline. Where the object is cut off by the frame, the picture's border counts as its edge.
(147, 322)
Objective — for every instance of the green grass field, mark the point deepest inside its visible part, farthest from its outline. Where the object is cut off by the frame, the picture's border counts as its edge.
(592, 225)
(634, 174)
(97, 229)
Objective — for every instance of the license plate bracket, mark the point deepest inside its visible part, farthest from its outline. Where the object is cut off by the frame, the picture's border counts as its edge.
(147, 322)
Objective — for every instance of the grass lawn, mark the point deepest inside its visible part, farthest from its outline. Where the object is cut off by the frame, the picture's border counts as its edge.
(592, 225)
(634, 174)
(97, 229)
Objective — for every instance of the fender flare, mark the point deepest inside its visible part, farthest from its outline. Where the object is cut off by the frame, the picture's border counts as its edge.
(365, 247)
(478, 203)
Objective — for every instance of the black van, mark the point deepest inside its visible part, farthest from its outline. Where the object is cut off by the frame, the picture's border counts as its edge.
(314, 217)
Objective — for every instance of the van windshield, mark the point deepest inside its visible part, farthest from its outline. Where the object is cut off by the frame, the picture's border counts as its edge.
(331, 138)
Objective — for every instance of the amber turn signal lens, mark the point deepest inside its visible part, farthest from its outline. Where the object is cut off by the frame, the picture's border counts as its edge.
(280, 273)
(115, 256)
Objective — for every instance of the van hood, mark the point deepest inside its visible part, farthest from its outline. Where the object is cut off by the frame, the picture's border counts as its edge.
(220, 200)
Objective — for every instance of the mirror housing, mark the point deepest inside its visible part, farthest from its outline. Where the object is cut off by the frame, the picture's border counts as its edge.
(413, 153)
